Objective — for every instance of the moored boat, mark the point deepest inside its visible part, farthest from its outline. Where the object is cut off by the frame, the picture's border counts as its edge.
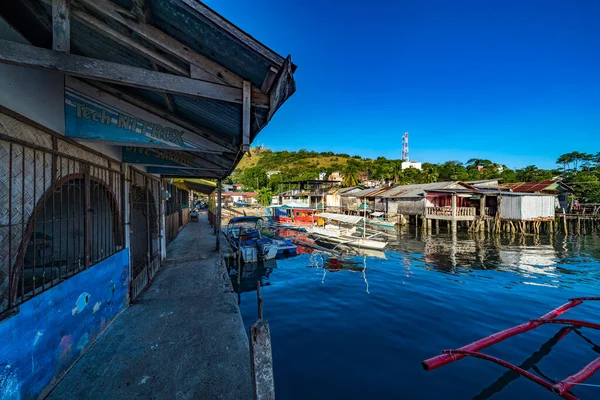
(342, 229)
(243, 235)
(293, 215)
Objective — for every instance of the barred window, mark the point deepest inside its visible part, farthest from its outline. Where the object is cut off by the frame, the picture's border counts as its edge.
(60, 215)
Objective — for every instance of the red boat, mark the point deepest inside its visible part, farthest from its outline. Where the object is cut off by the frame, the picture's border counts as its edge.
(294, 215)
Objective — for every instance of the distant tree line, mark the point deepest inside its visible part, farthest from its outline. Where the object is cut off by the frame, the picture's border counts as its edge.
(580, 170)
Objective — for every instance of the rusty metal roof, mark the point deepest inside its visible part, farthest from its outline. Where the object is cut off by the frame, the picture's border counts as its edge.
(529, 187)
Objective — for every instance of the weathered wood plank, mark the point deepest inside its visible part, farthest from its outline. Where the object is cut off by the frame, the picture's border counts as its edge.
(105, 71)
(128, 42)
(261, 361)
(283, 88)
(203, 67)
(61, 26)
(246, 116)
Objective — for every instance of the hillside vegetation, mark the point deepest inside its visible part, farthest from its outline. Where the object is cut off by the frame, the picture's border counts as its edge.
(581, 170)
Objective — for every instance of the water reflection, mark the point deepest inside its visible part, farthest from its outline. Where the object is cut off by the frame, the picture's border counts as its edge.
(334, 264)
(244, 279)
(541, 260)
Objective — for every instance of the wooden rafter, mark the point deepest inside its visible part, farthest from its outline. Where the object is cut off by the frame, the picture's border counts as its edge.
(61, 26)
(129, 43)
(106, 71)
(204, 68)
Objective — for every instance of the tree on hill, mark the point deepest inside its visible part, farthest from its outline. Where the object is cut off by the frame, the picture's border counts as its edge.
(351, 173)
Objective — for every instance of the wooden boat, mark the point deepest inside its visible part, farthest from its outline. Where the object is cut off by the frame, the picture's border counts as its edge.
(293, 215)
(377, 221)
(342, 229)
(243, 234)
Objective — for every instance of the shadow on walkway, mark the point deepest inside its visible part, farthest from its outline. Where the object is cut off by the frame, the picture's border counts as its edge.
(183, 338)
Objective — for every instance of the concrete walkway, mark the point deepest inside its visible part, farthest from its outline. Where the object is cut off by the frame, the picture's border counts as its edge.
(182, 339)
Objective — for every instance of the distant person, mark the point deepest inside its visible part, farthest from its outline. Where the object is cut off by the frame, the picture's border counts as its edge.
(576, 205)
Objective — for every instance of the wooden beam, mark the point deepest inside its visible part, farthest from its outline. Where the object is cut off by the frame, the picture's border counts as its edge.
(219, 205)
(128, 42)
(283, 88)
(106, 71)
(61, 26)
(202, 67)
(246, 114)
(141, 10)
(269, 79)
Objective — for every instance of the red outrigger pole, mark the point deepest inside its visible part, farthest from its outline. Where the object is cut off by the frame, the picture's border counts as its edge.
(561, 388)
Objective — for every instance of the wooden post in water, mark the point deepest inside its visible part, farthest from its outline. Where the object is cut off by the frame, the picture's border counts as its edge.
(261, 356)
(482, 212)
(437, 226)
(565, 222)
(578, 226)
(453, 212)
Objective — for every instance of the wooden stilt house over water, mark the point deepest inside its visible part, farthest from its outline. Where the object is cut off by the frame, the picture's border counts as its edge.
(411, 200)
(553, 187)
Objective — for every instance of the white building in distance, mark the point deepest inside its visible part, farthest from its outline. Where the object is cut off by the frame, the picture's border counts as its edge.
(411, 164)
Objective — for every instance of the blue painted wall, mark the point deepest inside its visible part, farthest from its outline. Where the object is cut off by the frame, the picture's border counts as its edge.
(53, 329)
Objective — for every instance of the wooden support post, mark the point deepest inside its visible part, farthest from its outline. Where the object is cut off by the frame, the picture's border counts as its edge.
(482, 206)
(247, 105)
(565, 222)
(61, 26)
(437, 226)
(219, 207)
(429, 225)
(578, 226)
(454, 213)
(261, 356)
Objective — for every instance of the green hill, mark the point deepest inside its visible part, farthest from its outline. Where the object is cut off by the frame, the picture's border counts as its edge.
(580, 170)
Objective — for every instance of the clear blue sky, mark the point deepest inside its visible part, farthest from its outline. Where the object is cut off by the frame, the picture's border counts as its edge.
(514, 81)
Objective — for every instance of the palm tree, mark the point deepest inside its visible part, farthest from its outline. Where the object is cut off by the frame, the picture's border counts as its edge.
(264, 196)
(351, 174)
(430, 175)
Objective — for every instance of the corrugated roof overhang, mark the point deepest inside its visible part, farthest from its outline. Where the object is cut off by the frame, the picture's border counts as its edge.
(180, 41)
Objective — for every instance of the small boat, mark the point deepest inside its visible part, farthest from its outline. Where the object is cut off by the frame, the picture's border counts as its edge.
(293, 215)
(343, 230)
(285, 247)
(377, 220)
(243, 234)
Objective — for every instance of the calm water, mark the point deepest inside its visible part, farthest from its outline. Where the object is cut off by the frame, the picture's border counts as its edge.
(340, 330)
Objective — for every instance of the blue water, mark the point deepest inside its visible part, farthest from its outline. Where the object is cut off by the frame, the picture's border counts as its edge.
(361, 333)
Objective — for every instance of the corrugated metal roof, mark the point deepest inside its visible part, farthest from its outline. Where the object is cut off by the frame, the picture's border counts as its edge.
(202, 31)
(528, 187)
(367, 192)
(416, 190)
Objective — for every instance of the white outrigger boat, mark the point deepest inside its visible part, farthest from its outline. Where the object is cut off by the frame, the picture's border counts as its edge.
(343, 231)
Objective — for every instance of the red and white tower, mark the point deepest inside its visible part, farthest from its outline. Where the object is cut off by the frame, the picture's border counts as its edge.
(405, 146)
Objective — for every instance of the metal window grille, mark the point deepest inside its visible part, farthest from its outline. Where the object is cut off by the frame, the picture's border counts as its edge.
(145, 229)
(59, 214)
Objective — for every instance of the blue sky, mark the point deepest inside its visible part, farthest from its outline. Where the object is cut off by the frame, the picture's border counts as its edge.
(514, 81)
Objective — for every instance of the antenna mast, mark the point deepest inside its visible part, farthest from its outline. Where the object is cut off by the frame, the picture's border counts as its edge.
(405, 146)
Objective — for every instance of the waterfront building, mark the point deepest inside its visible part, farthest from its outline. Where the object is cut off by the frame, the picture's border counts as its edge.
(107, 114)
